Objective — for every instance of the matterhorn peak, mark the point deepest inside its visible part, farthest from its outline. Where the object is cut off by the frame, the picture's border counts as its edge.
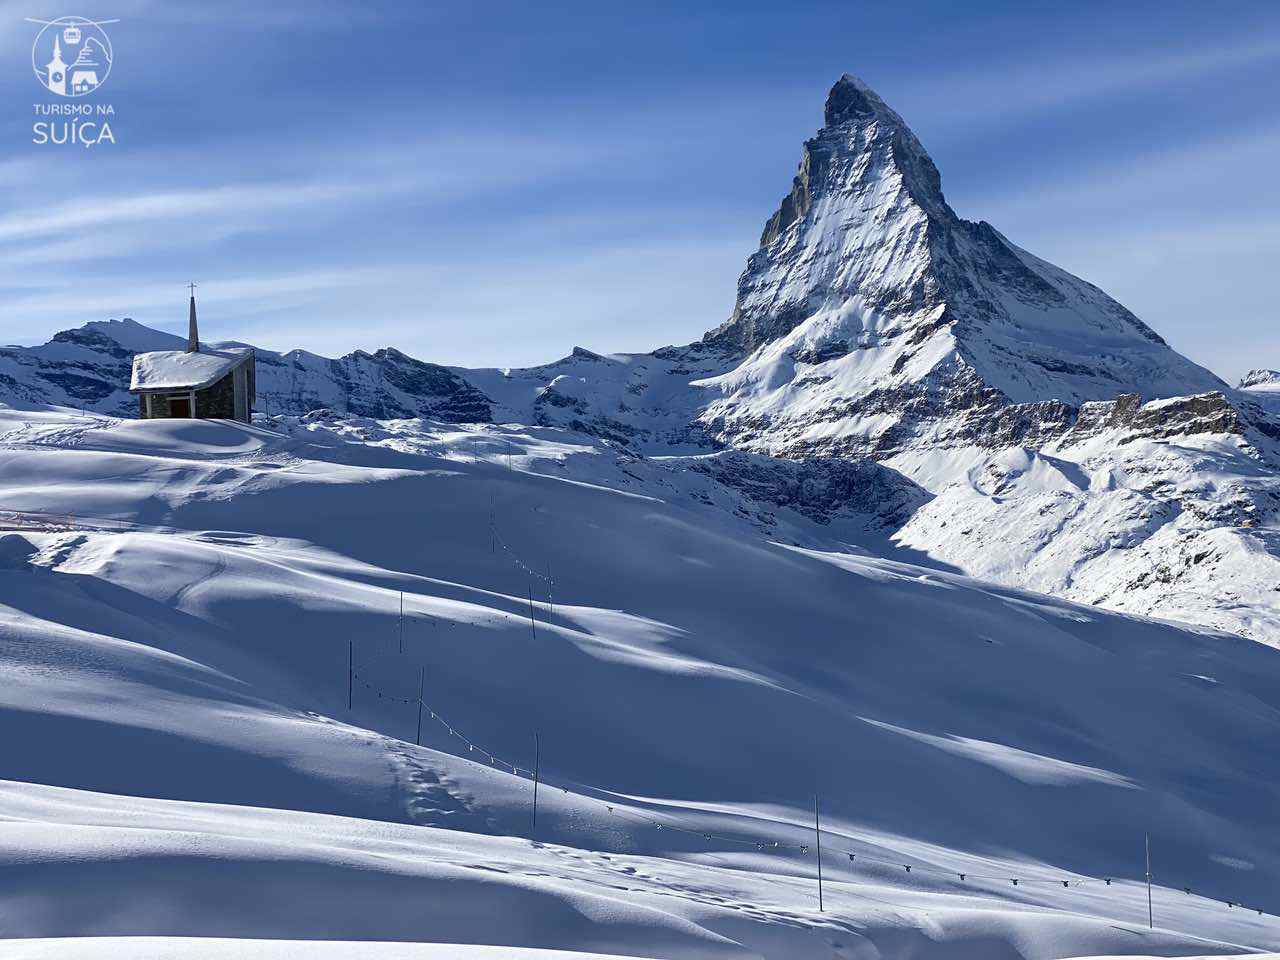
(871, 303)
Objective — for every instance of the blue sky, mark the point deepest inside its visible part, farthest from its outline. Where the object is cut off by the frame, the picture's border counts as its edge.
(494, 184)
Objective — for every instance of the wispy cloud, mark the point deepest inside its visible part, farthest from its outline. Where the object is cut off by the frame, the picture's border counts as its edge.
(420, 174)
(85, 214)
(263, 290)
(1012, 88)
(1193, 171)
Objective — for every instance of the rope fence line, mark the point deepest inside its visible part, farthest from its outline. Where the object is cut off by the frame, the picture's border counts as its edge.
(776, 846)
(515, 558)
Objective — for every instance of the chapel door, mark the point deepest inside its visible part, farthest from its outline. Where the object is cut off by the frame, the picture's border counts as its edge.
(179, 406)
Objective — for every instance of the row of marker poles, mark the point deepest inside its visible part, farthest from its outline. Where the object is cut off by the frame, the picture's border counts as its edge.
(817, 823)
(537, 768)
(817, 834)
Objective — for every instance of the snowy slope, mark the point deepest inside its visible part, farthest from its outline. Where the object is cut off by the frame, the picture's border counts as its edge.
(182, 762)
(1168, 509)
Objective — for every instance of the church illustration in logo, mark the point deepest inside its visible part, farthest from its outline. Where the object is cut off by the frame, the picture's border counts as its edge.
(82, 42)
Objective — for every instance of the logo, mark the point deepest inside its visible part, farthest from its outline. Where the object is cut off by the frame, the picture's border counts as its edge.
(71, 56)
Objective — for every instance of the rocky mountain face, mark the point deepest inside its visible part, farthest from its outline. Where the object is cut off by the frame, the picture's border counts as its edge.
(887, 368)
(872, 319)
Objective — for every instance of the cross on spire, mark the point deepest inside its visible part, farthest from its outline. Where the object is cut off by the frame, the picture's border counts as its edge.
(192, 286)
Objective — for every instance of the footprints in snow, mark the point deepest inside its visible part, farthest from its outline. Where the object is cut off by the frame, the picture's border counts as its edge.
(432, 798)
(630, 879)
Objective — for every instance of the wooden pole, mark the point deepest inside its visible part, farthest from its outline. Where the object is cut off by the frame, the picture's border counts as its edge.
(418, 737)
(533, 623)
(537, 763)
(817, 832)
(351, 668)
(551, 599)
(1150, 915)
(400, 622)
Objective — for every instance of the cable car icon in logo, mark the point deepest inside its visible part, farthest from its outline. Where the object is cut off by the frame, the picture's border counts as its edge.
(71, 56)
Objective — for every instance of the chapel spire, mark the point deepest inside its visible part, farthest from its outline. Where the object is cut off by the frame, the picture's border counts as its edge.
(193, 335)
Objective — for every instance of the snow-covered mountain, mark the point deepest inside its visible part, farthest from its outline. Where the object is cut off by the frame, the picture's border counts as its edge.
(872, 318)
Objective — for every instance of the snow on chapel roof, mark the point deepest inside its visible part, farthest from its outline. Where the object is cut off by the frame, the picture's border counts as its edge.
(181, 370)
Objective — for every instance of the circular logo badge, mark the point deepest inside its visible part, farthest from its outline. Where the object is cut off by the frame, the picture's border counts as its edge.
(71, 56)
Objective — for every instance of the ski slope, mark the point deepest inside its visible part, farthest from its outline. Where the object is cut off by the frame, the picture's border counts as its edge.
(178, 601)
